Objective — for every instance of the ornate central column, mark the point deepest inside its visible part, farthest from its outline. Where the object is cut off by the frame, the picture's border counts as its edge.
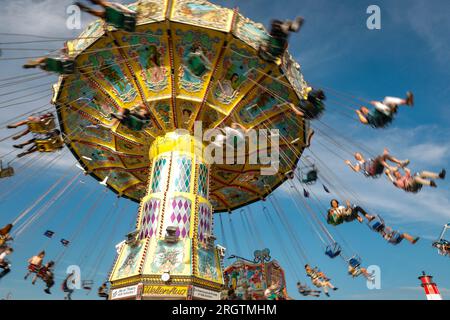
(172, 253)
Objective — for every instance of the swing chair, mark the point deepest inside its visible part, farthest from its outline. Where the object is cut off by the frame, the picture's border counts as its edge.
(309, 173)
(376, 224)
(354, 262)
(87, 285)
(6, 172)
(49, 145)
(442, 244)
(333, 250)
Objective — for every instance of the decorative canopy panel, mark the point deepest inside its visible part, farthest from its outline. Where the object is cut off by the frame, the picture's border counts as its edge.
(156, 67)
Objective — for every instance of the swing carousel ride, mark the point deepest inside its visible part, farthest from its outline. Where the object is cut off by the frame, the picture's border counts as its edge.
(174, 65)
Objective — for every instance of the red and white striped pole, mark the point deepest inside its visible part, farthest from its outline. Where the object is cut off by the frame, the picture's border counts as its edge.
(431, 289)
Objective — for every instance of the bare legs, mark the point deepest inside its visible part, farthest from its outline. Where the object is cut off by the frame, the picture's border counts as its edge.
(362, 113)
(426, 178)
(18, 124)
(386, 156)
(409, 237)
(358, 209)
(29, 151)
(35, 63)
(20, 135)
(21, 145)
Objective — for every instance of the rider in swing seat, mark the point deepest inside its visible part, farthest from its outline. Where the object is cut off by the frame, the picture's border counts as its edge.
(35, 264)
(4, 263)
(312, 106)
(135, 120)
(58, 65)
(384, 112)
(274, 48)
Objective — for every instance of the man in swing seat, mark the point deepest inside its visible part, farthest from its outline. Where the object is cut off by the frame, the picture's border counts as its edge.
(384, 112)
(113, 13)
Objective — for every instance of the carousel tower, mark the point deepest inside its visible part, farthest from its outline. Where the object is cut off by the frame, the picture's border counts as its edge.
(431, 289)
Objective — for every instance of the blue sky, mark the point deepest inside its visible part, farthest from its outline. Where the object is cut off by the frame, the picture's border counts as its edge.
(336, 52)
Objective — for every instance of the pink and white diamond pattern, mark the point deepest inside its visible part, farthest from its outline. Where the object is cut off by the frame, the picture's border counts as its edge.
(179, 215)
(204, 222)
(149, 222)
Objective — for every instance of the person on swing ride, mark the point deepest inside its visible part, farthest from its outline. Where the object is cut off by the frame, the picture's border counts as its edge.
(66, 286)
(274, 48)
(339, 214)
(4, 263)
(62, 64)
(356, 271)
(414, 183)
(443, 247)
(35, 264)
(375, 167)
(113, 13)
(103, 291)
(5, 234)
(393, 237)
(384, 112)
(319, 279)
(43, 119)
(136, 119)
(306, 291)
(312, 106)
(47, 275)
(53, 137)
